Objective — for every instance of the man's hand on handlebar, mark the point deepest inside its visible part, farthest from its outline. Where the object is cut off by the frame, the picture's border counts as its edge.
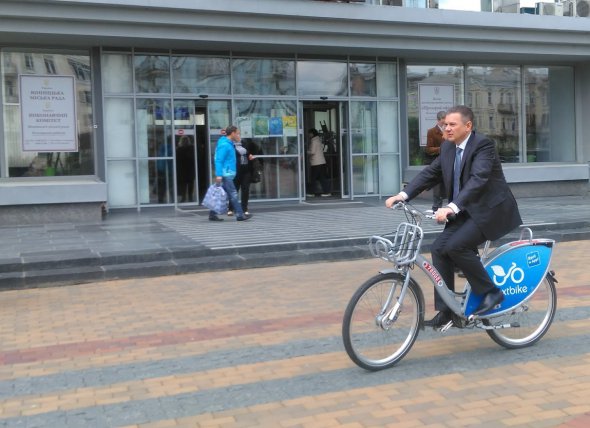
(390, 202)
(442, 215)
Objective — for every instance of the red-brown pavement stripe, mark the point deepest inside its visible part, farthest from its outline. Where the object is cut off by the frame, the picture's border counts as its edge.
(44, 353)
(171, 337)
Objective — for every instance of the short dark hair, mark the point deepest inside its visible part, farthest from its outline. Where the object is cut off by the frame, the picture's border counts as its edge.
(441, 115)
(465, 112)
(230, 129)
(313, 131)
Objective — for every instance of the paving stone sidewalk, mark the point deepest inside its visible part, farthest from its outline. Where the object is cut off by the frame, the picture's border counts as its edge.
(262, 348)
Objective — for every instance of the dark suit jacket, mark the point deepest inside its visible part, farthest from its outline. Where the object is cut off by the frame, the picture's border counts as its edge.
(484, 193)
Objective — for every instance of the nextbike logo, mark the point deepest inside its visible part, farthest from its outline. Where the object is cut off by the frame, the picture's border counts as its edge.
(533, 259)
(433, 273)
(516, 276)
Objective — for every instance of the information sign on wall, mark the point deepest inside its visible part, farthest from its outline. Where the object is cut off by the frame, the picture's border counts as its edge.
(48, 113)
(433, 98)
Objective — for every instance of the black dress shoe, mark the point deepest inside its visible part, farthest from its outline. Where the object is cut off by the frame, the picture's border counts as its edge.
(215, 218)
(491, 299)
(439, 320)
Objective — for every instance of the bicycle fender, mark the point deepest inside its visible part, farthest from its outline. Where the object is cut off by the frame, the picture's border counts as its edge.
(517, 270)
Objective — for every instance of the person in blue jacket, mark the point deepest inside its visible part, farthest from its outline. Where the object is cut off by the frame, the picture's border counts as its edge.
(225, 171)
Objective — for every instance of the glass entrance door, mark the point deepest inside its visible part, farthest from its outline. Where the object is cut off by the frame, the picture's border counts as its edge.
(329, 120)
(197, 127)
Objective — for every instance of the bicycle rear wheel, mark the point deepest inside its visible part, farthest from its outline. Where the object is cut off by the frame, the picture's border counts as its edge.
(373, 343)
(529, 321)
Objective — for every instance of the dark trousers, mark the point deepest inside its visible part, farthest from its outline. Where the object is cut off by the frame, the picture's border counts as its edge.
(242, 183)
(437, 195)
(319, 173)
(455, 247)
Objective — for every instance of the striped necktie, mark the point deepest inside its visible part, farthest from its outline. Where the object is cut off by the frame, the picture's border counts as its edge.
(457, 173)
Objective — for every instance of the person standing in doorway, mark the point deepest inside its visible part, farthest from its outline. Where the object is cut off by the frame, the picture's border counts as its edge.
(225, 171)
(434, 139)
(185, 169)
(481, 208)
(317, 162)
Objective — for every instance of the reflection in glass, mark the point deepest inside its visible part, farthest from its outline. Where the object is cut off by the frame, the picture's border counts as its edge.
(280, 179)
(362, 80)
(263, 77)
(363, 124)
(390, 174)
(156, 181)
(365, 175)
(152, 74)
(549, 106)
(194, 75)
(495, 95)
(121, 183)
(434, 75)
(36, 164)
(322, 78)
(272, 124)
(118, 129)
(387, 121)
(117, 73)
(387, 80)
(154, 127)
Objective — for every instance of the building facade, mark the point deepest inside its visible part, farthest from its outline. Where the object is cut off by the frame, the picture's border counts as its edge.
(119, 104)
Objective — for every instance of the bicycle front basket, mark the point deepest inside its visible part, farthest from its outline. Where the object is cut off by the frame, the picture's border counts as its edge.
(400, 248)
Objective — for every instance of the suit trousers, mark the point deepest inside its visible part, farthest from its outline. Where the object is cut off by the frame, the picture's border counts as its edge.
(455, 247)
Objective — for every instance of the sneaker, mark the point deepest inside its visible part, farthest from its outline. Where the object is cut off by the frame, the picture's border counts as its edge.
(246, 213)
(215, 218)
(230, 213)
(325, 195)
(245, 217)
(310, 195)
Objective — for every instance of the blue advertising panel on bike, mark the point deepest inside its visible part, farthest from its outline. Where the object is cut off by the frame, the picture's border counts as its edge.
(518, 271)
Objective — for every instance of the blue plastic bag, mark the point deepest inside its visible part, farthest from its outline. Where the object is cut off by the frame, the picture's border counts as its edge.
(216, 199)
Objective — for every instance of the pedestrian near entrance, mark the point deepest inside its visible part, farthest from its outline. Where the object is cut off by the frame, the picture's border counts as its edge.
(243, 176)
(434, 138)
(481, 207)
(225, 171)
(317, 162)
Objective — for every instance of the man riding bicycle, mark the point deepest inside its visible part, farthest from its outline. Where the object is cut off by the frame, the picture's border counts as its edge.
(481, 207)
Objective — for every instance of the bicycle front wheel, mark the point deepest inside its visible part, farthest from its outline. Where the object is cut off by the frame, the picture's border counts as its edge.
(529, 321)
(371, 339)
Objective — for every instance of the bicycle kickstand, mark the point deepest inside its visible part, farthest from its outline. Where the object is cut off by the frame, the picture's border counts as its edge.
(446, 327)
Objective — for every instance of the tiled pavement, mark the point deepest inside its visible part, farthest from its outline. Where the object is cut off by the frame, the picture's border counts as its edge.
(167, 242)
(262, 348)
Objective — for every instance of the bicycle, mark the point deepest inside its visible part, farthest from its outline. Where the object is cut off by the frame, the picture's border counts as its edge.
(384, 316)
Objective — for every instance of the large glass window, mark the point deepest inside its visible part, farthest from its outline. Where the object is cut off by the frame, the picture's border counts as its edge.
(549, 107)
(447, 78)
(269, 130)
(117, 74)
(28, 160)
(118, 129)
(152, 74)
(263, 76)
(365, 165)
(319, 78)
(363, 81)
(194, 75)
(496, 91)
(154, 137)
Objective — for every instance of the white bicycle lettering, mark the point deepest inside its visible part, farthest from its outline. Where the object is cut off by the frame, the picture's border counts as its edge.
(516, 274)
